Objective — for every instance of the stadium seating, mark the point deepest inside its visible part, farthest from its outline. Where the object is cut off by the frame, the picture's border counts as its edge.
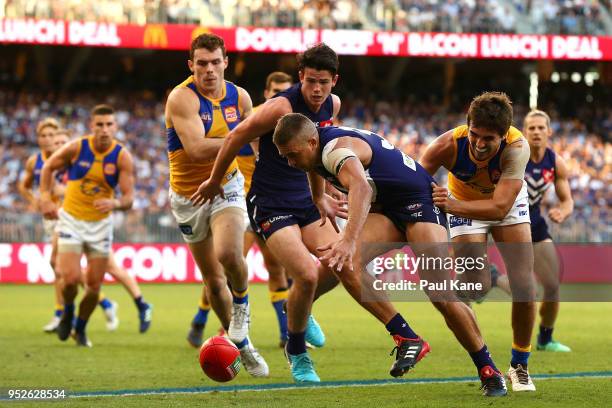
(476, 16)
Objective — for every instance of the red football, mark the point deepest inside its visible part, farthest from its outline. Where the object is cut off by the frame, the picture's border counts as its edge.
(220, 359)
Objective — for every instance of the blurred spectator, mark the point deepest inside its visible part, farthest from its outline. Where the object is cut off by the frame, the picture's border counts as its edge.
(474, 16)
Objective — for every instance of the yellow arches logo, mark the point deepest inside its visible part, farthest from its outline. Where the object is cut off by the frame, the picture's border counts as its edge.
(155, 36)
(199, 31)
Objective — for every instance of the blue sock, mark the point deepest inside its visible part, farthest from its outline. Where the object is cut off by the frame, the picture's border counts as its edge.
(140, 303)
(241, 300)
(545, 335)
(296, 344)
(58, 312)
(519, 357)
(281, 317)
(482, 358)
(399, 326)
(201, 317)
(240, 296)
(242, 343)
(105, 304)
(79, 325)
(69, 308)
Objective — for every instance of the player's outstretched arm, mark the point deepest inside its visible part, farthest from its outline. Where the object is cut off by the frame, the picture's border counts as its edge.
(440, 152)
(260, 122)
(125, 165)
(26, 182)
(182, 109)
(563, 191)
(58, 160)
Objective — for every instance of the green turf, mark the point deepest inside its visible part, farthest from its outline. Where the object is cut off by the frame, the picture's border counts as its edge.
(357, 349)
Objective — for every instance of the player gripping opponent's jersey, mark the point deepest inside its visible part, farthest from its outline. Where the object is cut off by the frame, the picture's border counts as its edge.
(370, 170)
(401, 187)
(472, 179)
(486, 160)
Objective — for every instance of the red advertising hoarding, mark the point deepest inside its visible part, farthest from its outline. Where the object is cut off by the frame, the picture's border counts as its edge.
(291, 40)
(172, 263)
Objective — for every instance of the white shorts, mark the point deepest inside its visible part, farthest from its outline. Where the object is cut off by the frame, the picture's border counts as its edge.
(518, 214)
(93, 236)
(49, 227)
(194, 222)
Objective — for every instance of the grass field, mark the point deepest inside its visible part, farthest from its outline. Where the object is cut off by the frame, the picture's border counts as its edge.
(356, 355)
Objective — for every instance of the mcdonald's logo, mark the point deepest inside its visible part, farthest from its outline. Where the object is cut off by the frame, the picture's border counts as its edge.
(199, 30)
(155, 36)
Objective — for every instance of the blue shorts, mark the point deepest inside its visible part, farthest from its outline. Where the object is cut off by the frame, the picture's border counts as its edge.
(414, 212)
(539, 228)
(268, 215)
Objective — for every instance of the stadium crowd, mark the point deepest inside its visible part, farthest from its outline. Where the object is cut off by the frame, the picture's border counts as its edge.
(410, 125)
(478, 16)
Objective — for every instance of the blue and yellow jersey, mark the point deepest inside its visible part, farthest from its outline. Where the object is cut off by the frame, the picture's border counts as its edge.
(38, 165)
(219, 117)
(41, 158)
(92, 176)
(246, 162)
(471, 179)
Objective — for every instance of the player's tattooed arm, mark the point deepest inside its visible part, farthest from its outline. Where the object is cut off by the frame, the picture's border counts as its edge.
(26, 182)
(440, 153)
(562, 189)
(514, 159)
(58, 160)
(182, 110)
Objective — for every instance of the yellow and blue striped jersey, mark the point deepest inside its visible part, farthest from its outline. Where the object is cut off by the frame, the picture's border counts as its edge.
(219, 117)
(41, 158)
(471, 179)
(92, 176)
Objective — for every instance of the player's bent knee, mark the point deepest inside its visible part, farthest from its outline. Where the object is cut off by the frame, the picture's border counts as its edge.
(71, 278)
(93, 287)
(216, 285)
(231, 259)
(305, 277)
